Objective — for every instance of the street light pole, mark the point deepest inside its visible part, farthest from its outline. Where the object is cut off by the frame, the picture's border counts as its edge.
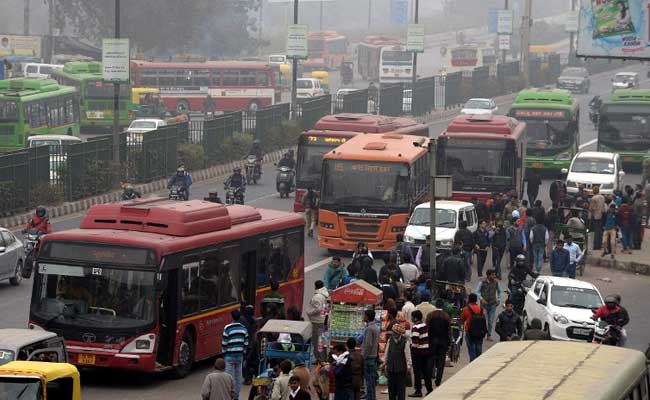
(525, 41)
(432, 208)
(116, 96)
(294, 70)
(415, 54)
(26, 17)
(369, 14)
(571, 37)
(503, 52)
(320, 24)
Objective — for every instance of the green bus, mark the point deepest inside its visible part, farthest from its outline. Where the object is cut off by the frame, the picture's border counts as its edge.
(624, 125)
(96, 96)
(552, 127)
(36, 107)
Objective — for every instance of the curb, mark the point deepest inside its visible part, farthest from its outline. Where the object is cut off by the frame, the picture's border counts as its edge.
(68, 208)
(626, 266)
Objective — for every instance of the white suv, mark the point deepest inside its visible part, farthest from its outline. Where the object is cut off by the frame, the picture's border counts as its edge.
(595, 168)
(564, 306)
(449, 214)
(308, 88)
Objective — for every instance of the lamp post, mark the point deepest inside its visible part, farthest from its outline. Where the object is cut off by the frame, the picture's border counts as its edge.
(431, 147)
(116, 96)
(415, 54)
(294, 69)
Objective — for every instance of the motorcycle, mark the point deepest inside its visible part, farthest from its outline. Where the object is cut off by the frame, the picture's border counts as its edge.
(284, 181)
(30, 244)
(234, 195)
(176, 193)
(253, 169)
(517, 294)
(604, 333)
(594, 116)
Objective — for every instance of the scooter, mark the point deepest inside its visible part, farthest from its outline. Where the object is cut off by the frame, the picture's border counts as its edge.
(253, 169)
(30, 244)
(234, 195)
(604, 333)
(176, 193)
(284, 181)
(594, 116)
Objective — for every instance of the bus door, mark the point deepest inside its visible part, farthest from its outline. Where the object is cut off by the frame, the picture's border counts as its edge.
(248, 277)
(168, 314)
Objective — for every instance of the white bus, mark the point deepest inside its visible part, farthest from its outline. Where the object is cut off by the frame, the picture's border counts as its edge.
(466, 57)
(396, 64)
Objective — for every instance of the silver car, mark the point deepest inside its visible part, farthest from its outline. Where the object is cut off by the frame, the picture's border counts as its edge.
(12, 256)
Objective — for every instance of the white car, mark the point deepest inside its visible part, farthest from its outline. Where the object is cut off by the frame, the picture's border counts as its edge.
(449, 214)
(308, 87)
(340, 94)
(564, 306)
(145, 125)
(595, 168)
(57, 148)
(625, 80)
(479, 106)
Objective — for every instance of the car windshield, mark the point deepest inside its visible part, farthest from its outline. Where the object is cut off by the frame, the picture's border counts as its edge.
(365, 184)
(392, 57)
(623, 78)
(544, 134)
(573, 73)
(480, 104)
(481, 166)
(573, 297)
(6, 356)
(95, 296)
(444, 218)
(41, 142)
(588, 165)
(20, 388)
(625, 128)
(304, 84)
(8, 111)
(143, 125)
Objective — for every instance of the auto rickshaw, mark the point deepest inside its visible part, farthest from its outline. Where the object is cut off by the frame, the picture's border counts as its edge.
(147, 103)
(579, 236)
(324, 78)
(280, 340)
(36, 380)
(285, 76)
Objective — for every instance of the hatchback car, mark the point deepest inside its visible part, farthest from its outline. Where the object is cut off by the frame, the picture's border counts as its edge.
(479, 107)
(31, 345)
(591, 169)
(564, 306)
(449, 215)
(12, 256)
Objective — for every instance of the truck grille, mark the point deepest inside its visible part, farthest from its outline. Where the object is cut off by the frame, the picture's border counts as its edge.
(359, 228)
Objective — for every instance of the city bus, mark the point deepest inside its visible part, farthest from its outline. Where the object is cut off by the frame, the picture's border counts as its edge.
(95, 96)
(466, 57)
(326, 49)
(370, 184)
(369, 56)
(552, 126)
(550, 370)
(232, 85)
(624, 125)
(395, 64)
(334, 130)
(484, 154)
(35, 107)
(148, 285)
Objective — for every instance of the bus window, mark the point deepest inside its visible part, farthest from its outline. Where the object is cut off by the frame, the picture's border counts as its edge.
(279, 265)
(8, 111)
(208, 280)
(262, 271)
(247, 78)
(230, 78)
(294, 250)
(190, 285)
(201, 77)
(262, 79)
(228, 271)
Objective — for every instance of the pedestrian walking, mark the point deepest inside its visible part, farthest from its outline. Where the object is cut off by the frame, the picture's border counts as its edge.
(510, 208)
(453, 268)
(465, 239)
(296, 391)
(560, 259)
(302, 373)
(367, 272)
(489, 294)
(273, 297)
(410, 272)
(408, 306)
(498, 242)
(316, 311)
(557, 191)
(482, 211)
(637, 221)
(334, 273)
(281, 389)
(342, 373)
(509, 325)
(420, 354)
(539, 213)
(534, 181)
(310, 201)
(474, 318)
(219, 385)
(422, 259)
(516, 240)
(440, 339)
(535, 331)
(397, 363)
(369, 350)
(529, 222)
(401, 249)
(550, 221)
(356, 361)
(234, 343)
(575, 256)
(609, 234)
(624, 223)
(538, 240)
(481, 246)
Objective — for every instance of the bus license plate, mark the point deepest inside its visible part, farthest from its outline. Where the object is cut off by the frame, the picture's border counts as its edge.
(581, 331)
(538, 165)
(87, 359)
(94, 114)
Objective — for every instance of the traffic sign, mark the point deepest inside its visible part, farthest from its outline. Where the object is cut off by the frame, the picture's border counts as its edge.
(415, 38)
(297, 41)
(493, 17)
(504, 42)
(115, 60)
(572, 21)
(399, 11)
(504, 22)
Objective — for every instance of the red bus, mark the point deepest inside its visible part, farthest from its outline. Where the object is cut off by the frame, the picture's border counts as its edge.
(233, 85)
(334, 130)
(149, 285)
(370, 185)
(327, 50)
(484, 154)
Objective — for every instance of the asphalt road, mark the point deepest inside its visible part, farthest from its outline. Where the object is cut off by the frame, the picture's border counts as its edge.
(100, 385)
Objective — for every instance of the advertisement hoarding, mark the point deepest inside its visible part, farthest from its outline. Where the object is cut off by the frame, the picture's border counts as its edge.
(19, 45)
(614, 29)
(504, 42)
(571, 23)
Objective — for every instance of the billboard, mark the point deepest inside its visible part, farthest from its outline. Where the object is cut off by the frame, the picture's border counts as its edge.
(19, 45)
(614, 29)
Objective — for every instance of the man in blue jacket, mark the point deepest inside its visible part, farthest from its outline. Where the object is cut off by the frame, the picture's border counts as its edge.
(560, 259)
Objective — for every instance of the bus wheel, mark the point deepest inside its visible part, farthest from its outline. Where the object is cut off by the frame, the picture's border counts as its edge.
(254, 106)
(182, 106)
(185, 356)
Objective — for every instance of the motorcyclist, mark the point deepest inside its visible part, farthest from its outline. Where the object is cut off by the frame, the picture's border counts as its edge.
(612, 314)
(39, 221)
(520, 271)
(287, 161)
(595, 103)
(182, 180)
(129, 193)
(236, 181)
(256, 150)
(625, 319)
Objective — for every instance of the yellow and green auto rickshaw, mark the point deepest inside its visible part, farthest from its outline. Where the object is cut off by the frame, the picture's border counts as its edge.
(37, 380)
(324, 78)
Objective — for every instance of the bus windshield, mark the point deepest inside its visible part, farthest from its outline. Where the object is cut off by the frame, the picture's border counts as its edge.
(95, 297)
(348, 183)
(8, 111)
(543, 134)
(480, 167)
(103, 90)
(628, 129)
(310, 160)
(396, 57)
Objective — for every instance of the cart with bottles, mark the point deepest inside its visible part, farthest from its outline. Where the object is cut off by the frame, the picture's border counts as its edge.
(347, 307)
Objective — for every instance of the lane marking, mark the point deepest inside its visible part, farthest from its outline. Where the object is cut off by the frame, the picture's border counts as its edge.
(592, 141)
(316, 265)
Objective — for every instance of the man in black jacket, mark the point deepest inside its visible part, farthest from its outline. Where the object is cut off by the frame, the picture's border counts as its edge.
(508, 324)
(465, 240)
(453, 268)
(499, 242)
(439, 338)
(534, 182)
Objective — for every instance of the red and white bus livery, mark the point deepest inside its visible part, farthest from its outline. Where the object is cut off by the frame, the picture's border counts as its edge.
(232, 85)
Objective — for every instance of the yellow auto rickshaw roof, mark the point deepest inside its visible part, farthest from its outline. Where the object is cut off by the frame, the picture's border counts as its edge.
(46, 370)
(143, 90)
(320, 74)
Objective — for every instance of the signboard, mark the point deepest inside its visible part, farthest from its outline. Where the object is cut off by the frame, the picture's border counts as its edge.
(415, 38)
(324, 140)
(493, 18)
(301, 1)
(115, 60)
(504, 42)
(18, 45)
(443, 186)
(571, 24)
(399, 11)
(504, 22)
(297, 41)
(614, 29)
(549, 114)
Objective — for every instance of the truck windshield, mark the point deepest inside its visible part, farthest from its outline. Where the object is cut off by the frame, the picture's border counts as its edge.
(95, 297)
(20, 388)
(348, 183)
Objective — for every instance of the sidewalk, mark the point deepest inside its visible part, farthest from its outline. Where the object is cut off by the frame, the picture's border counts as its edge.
(637, 262)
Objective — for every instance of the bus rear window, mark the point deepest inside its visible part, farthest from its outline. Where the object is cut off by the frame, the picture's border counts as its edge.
(103, 90)
(98, 253)
(8, 111)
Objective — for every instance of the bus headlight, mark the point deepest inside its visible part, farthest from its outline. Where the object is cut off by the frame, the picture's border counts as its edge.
(326, 225)
(141, 344)
(564, 156)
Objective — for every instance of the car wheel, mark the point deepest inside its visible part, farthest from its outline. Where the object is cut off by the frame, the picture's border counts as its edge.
(185, 356)
(18, 274)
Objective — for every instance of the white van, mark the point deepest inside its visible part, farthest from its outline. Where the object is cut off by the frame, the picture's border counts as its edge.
(449, 214)
(595, 169)
(40, 71)
(309, 87)
(58, 154)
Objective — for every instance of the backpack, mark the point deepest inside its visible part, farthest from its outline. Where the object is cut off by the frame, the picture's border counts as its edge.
(477, 325)
(515, 237)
